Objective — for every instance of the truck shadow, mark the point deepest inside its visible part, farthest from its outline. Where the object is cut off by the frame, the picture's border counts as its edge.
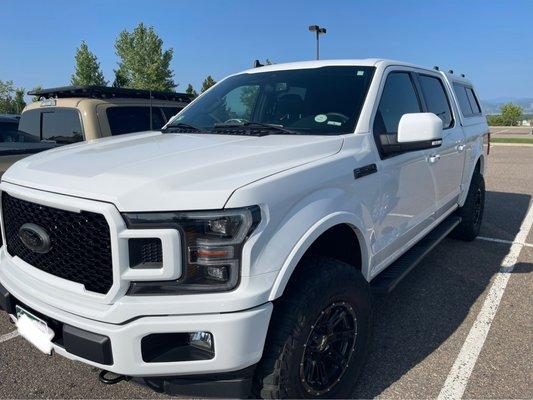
(430, 304)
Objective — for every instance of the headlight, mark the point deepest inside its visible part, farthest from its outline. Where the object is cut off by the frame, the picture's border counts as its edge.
(211, 241)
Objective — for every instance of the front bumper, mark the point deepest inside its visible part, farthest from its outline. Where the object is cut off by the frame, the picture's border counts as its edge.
(238, 338)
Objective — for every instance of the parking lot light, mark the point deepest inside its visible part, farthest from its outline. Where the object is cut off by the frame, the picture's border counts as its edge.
(318, 30)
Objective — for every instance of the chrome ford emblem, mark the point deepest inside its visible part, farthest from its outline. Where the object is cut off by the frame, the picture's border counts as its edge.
(34, 238)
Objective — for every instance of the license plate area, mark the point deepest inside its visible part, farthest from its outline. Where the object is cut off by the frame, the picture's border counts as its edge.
(34, 329)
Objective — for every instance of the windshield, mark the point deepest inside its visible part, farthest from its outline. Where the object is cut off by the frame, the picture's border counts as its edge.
(317, 101)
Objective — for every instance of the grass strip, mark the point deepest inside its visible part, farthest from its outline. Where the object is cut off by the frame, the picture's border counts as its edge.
(512, 140)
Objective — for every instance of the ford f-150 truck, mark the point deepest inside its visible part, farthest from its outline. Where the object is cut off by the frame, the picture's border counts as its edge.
(239, 248)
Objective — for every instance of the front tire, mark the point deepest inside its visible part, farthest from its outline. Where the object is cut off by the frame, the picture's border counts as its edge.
(472, 211)
(318, 335)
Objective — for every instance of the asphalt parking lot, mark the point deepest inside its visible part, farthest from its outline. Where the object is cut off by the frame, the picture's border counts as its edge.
(460, 324)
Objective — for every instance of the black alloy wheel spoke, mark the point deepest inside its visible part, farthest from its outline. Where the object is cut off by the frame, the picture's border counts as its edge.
(329, 348)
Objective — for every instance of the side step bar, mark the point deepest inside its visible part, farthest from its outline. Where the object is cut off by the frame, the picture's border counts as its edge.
(387, 280)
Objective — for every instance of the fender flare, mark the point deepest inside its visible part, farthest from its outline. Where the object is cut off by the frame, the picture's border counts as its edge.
(481, 159)
(305, 242)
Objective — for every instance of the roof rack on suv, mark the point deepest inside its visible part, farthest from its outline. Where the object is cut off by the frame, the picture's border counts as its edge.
(105, 92)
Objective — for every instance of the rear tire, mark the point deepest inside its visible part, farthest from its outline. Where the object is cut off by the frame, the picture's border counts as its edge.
(318, 335)
(472, 211)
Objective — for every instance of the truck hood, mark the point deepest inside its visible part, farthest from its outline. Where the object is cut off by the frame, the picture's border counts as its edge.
(152, 171)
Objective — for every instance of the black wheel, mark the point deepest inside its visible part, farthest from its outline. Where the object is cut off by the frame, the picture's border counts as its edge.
(472, 211)
(318, 335)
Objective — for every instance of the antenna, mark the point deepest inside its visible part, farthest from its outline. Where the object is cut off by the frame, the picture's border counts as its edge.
(257, 64)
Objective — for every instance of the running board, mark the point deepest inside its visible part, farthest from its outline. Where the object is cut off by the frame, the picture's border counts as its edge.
(387, 280)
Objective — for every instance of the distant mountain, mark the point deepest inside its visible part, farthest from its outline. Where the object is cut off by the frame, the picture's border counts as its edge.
(493, 106)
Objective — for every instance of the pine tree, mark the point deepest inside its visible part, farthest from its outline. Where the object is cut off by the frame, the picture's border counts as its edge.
(143, 63)
(87, 68)
(207, 83)
(190, 91)
(120, 79)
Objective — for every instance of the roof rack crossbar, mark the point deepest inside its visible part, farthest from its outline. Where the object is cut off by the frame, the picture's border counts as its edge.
(106, 92)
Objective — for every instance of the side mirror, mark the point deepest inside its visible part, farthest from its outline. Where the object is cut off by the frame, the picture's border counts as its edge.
(420, 131)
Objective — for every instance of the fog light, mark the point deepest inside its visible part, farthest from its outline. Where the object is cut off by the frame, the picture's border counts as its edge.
(201, 340)
(178, 346)
(219, 273)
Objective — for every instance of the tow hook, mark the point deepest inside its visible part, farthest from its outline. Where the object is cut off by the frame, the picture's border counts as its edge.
(110, 378)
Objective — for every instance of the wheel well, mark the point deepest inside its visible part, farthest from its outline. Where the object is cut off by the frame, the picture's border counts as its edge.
(479, 166)
(339, 242)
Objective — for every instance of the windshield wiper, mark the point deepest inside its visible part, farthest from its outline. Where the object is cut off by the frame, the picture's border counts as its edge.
(181, 128)
(254, 128)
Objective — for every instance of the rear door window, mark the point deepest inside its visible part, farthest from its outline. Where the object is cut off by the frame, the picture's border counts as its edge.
(61, 126)
(462, 98)
(436, 99)
(474, 103)
(125, 119)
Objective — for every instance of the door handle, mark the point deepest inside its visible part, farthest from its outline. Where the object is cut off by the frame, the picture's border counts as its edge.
(460, 147)
(434, 158)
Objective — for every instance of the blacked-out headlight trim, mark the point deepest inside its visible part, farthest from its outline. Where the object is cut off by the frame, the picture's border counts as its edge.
(211, 243)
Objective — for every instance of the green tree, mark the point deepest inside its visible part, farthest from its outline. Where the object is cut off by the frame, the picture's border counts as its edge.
(143, 63)
(207, 83)
(190, 90)
(511, 114)
(87, 68)
(6, 97)
(120, 79)
(18, 101)
(494, 120)
(11, 98)
(36, 98)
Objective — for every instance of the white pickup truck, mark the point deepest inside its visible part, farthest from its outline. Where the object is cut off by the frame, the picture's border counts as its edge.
(238, 248)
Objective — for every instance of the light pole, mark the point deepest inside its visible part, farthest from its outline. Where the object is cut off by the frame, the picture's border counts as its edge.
(319, 31)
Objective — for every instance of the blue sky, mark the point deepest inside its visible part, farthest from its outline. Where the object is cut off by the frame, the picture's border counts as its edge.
(490, 41)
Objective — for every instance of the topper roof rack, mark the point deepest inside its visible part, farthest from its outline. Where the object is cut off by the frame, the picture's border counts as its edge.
(106, 92)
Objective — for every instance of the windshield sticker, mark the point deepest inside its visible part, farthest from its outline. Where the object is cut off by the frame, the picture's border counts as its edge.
(360, 73)
(334, 123)
(321, 118)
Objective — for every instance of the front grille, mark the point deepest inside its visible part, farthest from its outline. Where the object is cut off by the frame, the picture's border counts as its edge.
(80, 243)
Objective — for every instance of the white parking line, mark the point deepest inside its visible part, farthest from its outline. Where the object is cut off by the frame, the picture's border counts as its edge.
(463, 366)
(8, 336)
(489, 239)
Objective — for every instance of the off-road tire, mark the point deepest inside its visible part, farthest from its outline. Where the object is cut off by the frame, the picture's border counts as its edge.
(318, 284)
(472, 211)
